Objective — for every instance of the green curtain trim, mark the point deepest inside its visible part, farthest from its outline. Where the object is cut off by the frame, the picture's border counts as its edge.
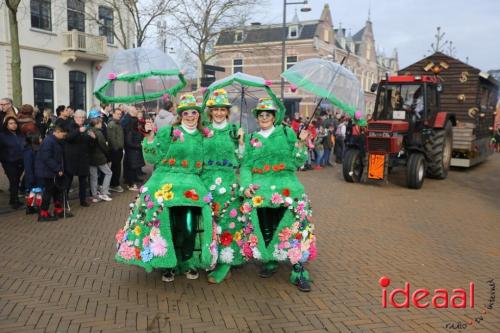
(280, 115)
(307, 85)
(100, 92)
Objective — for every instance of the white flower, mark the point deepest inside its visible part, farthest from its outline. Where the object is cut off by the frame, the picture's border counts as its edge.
(227, 255)
(155, 232)
(212, 187)
(305, 233)
(218, 230)
(218, 180)
(136, 242)
(222, 190)
(273, 187)
(160, 200)
(280, 255)
(289, 200)
(256, 253)
(144, 189)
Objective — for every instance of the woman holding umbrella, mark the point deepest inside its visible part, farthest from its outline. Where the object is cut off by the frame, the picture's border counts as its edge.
(222, 146)
(170, 225)
(277, 211)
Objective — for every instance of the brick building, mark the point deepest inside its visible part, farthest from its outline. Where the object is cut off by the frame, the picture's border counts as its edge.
(256, 50)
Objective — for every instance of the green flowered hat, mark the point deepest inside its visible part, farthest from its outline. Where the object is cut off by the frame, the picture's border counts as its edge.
(265, 104)
(219, 99)
(188, 102)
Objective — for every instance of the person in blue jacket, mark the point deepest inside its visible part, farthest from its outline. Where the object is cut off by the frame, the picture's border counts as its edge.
(32, 183)
(11, 156)
(49, 167)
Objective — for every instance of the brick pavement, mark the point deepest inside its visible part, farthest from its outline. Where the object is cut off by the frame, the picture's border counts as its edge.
(61, 277)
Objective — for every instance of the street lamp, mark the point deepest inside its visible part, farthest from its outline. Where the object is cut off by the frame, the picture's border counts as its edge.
(305, 8)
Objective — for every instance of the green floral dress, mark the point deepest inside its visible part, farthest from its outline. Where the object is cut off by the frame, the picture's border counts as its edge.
(146, 239)
(269, 166)
(221, 161)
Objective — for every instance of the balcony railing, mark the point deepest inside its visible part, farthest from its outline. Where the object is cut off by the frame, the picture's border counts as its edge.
(81, 42)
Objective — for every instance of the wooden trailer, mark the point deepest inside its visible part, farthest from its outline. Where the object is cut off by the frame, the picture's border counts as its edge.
(472, 96)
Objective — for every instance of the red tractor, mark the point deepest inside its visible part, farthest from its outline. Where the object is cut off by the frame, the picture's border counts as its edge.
(408, 129)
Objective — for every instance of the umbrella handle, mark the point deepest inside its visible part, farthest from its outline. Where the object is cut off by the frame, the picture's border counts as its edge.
(312, 117)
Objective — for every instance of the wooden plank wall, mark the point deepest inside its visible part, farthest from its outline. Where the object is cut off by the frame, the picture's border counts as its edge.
(459, 79)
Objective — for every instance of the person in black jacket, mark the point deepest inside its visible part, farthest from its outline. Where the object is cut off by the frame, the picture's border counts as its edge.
(76, 155)
(133, 160)
(49, 166)
(32, 184)
(12, 144)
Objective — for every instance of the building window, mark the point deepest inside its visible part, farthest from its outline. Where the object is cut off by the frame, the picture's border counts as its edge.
(77, 89)
(43, 82)
(237, 66)
(238, 36)
(106, 23)
(290, 61)
(293, 31)
(41, 14)
(76, 15)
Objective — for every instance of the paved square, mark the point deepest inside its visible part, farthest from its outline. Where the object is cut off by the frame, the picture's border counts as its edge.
(61, 276)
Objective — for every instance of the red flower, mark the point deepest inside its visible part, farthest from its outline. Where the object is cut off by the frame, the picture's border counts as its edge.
(286, 192)
(198, 164)
(267, 167)
(276, 168)
(259, 170)
(282, 166)
(184, 163)
(298, 236)
(215, 208)
(226, 238)
(188, 194)
(137, 253)
(171, 161)
(195, 197)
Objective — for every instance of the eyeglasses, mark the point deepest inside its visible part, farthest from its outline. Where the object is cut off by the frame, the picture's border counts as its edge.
(265, 115)
(188, 113)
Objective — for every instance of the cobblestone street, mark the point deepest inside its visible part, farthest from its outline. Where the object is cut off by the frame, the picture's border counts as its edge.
(62, 277)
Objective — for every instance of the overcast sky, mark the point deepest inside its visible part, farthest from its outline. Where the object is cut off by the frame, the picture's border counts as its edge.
(410, 25)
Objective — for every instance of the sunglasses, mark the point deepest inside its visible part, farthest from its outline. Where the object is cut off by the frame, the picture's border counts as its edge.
(188, 113)
(265, 115)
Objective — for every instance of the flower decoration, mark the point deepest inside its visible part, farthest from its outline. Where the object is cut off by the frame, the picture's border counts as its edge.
(207, 132)
(171, 161)
(226, 238)
(233, 213)
(293, 88)
(178, 135)
(257, 200)
(191, 194)
(198, 164)
(158, 245)
(255, 143)
(286, 192)
(227, 255)
(268, 82)
(137, 230)
(277, 199)
(184, 163)
(146, 254)
(246, 208)
(126, 251)
(167, 187)
(112, 76)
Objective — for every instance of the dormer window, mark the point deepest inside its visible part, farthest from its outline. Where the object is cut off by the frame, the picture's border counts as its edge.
(293, 31)
(238, 36)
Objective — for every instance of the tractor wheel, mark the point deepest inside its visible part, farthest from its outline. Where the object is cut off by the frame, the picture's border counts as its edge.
(352, 166)
(415, 171)
(439, 152)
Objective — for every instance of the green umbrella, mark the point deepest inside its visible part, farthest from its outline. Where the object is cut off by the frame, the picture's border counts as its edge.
(330, 81)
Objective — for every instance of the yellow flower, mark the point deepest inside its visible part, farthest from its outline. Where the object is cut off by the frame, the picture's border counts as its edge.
(166, 187)
(137, 230)
(210, 102)
(237, 236)
(222, 91)
(257, 200)
(168, 196)
(158, 194)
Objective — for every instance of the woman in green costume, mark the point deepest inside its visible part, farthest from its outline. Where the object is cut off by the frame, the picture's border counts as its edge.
(222, 146)
(170, 225)
(278, 213)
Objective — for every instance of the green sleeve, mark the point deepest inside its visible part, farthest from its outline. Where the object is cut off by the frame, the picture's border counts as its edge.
(246, 166)
(299, 155)
(155, 150)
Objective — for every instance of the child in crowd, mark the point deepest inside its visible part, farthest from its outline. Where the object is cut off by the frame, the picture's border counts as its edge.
(32, 183)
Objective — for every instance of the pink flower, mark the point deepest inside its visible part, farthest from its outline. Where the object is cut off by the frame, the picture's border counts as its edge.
(246, 208)
(284, 245)
(248, 230)
(158, 246)
(111, 76)
(247, 250)
(277, 199)
(233, 213)
(255, 143)
(119, 235)
(145, 241)
(178, 134)
(312, 251)
(253, 240)
(207, 132)
(150, 204)
(239, 243)
(166, 97)
(232, 225)
(285, 234)
(293, 88)
(268, 82)
(294, 255)
(126, 251)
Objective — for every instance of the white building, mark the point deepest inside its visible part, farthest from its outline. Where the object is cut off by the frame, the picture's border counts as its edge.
(63, 43)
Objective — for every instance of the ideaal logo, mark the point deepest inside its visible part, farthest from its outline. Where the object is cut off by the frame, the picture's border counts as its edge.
(460, 298)
(423, 298)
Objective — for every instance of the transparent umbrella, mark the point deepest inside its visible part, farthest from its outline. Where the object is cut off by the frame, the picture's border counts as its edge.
(330, 81)
(244, 91)
(138, 75)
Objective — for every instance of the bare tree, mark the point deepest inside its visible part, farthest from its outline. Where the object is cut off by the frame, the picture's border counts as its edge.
(17, 92)
(198, 23)
(142, 15)
(440, 44)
